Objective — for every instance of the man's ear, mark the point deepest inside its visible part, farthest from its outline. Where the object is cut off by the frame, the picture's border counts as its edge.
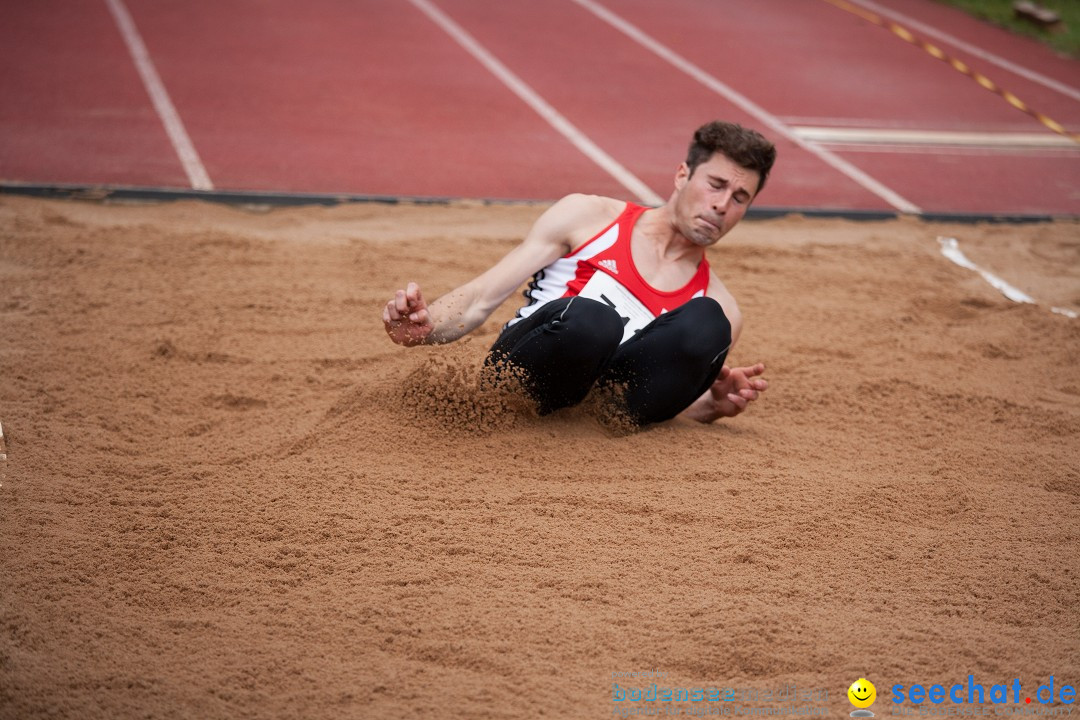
(682, 175)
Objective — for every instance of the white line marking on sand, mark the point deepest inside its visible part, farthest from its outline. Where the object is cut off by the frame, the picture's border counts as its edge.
(950, 248)
(542, 107)
(973, 50)
(934, 137)
(174, 127)
(750, 107)
(3, 446)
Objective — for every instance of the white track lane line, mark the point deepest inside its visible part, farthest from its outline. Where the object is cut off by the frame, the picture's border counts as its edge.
(543, 108)
(978, 52)
(833, 135)
(174, 127)
(768, 119)
(955, 150)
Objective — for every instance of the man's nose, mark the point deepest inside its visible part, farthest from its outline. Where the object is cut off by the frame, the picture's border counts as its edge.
(721, 201)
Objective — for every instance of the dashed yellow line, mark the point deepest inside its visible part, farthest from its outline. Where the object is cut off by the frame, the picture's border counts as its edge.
(958, 65)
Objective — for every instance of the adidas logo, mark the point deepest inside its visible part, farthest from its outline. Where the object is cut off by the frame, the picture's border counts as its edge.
(609, 265)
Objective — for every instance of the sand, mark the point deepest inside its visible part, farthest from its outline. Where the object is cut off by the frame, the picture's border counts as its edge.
(228, 495)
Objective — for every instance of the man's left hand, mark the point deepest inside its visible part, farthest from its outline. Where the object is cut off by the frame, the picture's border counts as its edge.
(732, 393)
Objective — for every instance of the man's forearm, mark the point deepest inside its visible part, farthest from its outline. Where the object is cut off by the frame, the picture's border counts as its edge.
(455, 315)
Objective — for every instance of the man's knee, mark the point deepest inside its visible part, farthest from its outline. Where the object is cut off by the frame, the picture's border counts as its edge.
(703, 325)
(564, 357)
(592, 321)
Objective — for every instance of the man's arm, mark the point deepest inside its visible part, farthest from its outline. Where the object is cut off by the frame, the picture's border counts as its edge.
(735, 388)
(720, 294)
(410, 320)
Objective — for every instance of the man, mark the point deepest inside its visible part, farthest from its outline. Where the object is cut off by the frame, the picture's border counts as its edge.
(621, 296)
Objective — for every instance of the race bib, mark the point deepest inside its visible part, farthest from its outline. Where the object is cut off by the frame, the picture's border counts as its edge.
(604, 288)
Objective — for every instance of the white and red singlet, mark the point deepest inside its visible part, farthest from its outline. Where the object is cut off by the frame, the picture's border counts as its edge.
(603, 269)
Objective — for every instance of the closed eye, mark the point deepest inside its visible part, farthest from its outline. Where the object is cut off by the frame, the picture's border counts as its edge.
(718, 183)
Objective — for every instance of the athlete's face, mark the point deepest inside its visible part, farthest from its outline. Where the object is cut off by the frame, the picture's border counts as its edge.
(713, 199)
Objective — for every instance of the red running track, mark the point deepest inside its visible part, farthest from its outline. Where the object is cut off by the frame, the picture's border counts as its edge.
(373, 97)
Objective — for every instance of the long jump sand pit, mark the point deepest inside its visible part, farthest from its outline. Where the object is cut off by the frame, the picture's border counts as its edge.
(227, 494)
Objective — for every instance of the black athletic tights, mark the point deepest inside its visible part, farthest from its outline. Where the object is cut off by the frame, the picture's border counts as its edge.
(570, 344)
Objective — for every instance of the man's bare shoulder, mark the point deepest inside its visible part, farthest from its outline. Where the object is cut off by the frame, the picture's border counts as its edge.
(579, 217)
(584, 205)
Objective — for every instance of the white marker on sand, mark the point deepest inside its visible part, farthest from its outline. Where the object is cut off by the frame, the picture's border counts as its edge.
(950, 248)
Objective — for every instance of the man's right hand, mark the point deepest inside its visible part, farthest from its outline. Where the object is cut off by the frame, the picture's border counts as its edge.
(406, 317)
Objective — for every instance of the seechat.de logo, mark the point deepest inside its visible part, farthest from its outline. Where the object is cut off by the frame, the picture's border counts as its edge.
(973, 692)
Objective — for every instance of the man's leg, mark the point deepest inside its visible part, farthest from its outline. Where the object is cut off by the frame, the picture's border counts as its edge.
(671, 361)
(562, 348)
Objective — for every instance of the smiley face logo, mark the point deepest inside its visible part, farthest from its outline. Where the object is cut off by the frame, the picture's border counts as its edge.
(862, 693)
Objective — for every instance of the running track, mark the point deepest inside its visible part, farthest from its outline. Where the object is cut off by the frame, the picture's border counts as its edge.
(512, 99)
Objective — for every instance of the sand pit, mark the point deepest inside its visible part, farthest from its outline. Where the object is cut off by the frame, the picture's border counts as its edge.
(227, 494)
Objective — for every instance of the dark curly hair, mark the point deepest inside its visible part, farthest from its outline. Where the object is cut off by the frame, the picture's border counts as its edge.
(747, 148)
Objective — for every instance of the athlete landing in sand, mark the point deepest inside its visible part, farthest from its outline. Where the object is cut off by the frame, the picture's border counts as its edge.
(620, 295)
